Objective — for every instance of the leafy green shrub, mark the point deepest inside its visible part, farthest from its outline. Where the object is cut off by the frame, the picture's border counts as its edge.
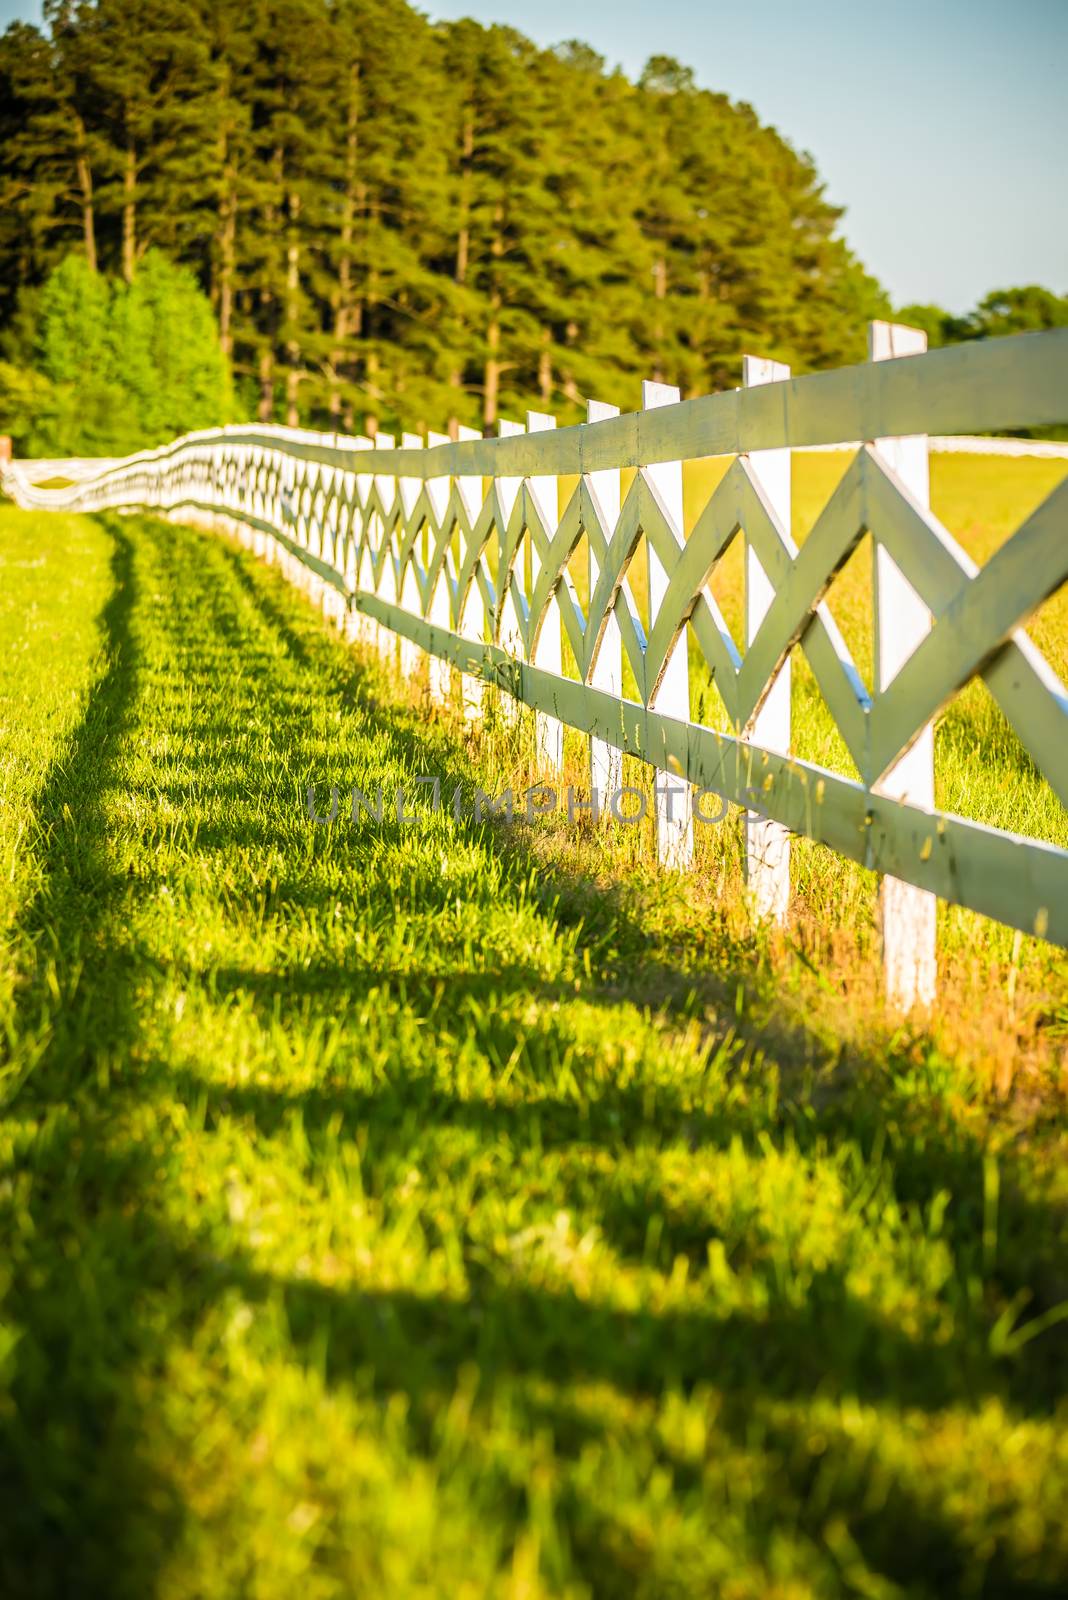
(29, 406)
(107, 368)
(166, 354)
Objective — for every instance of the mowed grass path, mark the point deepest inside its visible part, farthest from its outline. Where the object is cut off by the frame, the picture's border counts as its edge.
(378, 1216)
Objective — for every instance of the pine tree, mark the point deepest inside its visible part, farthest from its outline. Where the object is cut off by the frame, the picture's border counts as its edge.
(400, 222)
(49, 158)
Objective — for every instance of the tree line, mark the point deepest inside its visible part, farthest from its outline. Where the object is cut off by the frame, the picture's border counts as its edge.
(399, 221)
(1029, 309)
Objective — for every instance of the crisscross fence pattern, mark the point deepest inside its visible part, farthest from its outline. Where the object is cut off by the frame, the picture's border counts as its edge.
(464, 549)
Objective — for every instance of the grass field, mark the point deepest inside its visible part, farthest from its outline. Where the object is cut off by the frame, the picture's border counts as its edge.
(418, 1212)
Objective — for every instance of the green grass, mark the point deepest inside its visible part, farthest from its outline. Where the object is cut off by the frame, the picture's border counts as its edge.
(404, 1213)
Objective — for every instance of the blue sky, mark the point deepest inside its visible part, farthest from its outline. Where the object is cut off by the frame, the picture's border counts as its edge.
(941, 125)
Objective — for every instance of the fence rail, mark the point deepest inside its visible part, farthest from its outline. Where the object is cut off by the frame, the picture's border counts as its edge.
(462, 550)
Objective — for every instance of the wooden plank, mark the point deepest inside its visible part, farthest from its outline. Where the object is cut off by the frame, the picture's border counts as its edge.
(547, 650)
(473, 615)
(606, 672)
(438, 608)
(381, 537)
(908, 915)
(673, 798)
(509, 632)
(767, 843)
(363, 628)
(408, 490)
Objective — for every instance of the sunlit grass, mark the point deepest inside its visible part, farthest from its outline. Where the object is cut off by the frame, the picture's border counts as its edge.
(455, 1211)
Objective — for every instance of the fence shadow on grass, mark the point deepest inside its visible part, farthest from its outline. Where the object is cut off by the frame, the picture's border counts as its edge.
(83, 1257)
(104, 1278)
(928, 1157)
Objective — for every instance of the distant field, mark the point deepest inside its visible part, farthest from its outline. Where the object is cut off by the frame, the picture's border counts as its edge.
(461, 1213)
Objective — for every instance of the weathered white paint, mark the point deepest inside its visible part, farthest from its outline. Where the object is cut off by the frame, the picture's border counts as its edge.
(438, 574)
(547, 652)
(908, 915)
(409, 490)
(511, 578)
(385, 489)
(472, 615)
(606, 673)
(674, 804)
(361, 627)
(767, 843)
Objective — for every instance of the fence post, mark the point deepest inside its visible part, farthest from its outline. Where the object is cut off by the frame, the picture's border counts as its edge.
(260, 539)
(674, 801)
(271, 550)
(438, 494)
(259, 478)
(348, 534)
(361, 626)
(386, 487)
(767, 843)
(409, 490)
(331, 517)
(908, 915)
(292, 565)
(324, 497)
(274, 552)
(473, 615)
(509, 636)
(547, 652)
(606, 762)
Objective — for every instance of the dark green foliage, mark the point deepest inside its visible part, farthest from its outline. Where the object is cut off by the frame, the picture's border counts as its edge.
(940, 326)
(32, 411)
(105, 368)
(1027, 310)
(410, 223)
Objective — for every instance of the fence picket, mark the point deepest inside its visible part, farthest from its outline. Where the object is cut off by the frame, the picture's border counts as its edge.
(606, 762)
(472, 616)
(409, 490)
(767, 843)
(673, 801)
(546, 648)
(908, 915)
(437, 490)
(510, 583)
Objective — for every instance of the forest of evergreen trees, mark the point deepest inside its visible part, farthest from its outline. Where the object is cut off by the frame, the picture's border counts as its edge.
(396, 220)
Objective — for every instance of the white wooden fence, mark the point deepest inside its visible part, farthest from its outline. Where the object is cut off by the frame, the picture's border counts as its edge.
(459, 548)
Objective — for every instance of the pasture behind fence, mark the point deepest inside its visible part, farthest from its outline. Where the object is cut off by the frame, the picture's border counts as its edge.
(465, 550)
